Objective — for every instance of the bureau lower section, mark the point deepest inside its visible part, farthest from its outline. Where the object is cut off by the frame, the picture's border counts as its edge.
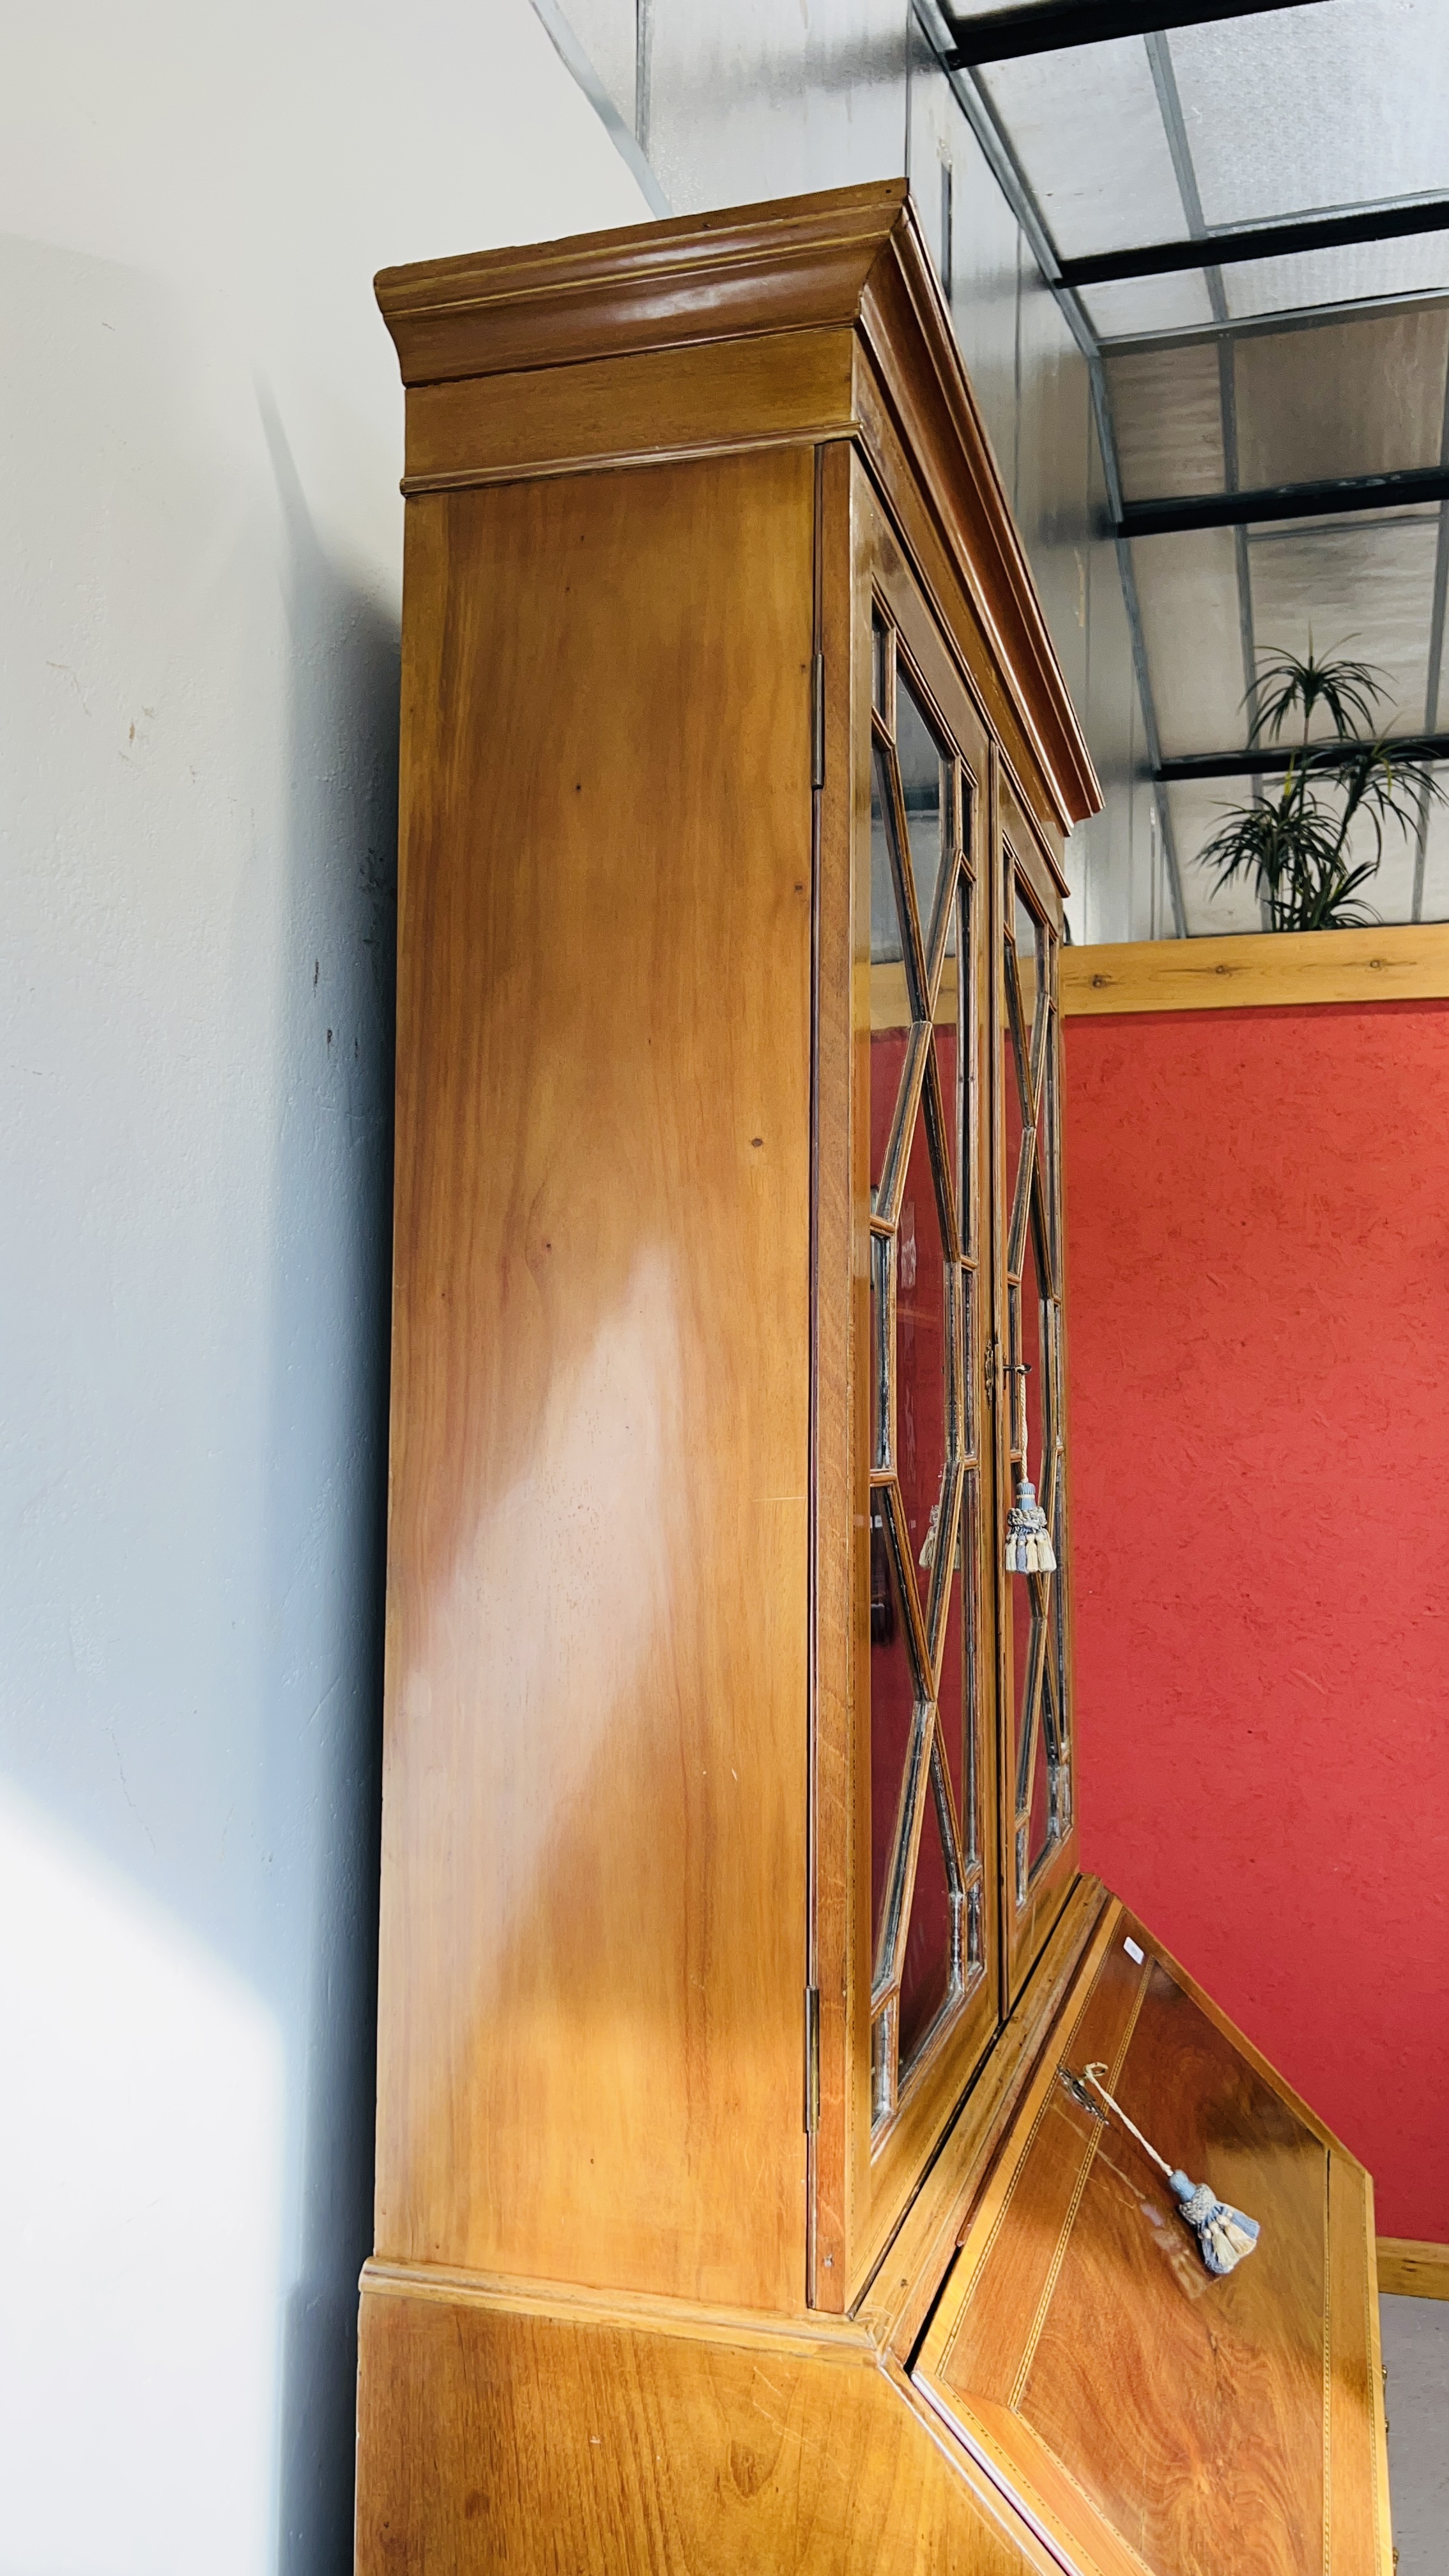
(1066, 2386)
(504, 2438)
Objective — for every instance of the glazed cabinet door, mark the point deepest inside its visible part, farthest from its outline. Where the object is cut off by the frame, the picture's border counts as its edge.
(1030, 1555)
(924, 1986)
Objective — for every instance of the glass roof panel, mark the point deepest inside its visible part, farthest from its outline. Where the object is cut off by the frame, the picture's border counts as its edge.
(1086, 127)
(1197, 810)
(1141, 304)
(1351, 398)
(1355, 273)
(984, 259)
(1359, 585)
(1389, 894)
(1435, 905)
(1311, 108)
(1168, 413)
(739, 96)
(1187, 590)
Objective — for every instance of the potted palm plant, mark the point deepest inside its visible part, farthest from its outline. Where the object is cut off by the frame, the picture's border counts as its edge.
(1308, 851)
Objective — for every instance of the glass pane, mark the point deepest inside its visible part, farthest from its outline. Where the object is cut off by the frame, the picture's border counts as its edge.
(886, 944)
(1013, 1090)
(1059, 1791)
(1029, 961)
(880, 1257)
(955, 929)
(931, 1970)
(890, 1008)
(966, 1290)
(1039, 1829)
(924, 782)
(957, 1695)
(1058, 1664)
(888, 1051)
(883, 2060)
(1029, 1603)
(892, 1705)
(921, 1353)
(952, 1041)
(879, 647)
(1031, 1411)
(1049, 1143)
(1027, 1642)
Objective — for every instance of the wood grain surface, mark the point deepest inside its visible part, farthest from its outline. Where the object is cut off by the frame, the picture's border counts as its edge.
(1398, 962)
(850, 256)
(1159, 2417)
(592, 2005)
(631, 410)
(492, 2441)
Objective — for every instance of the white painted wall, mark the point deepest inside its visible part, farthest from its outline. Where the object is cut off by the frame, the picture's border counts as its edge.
(201, 440)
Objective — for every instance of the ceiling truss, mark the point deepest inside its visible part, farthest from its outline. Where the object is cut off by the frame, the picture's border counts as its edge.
(964, 45)
(1051, 26)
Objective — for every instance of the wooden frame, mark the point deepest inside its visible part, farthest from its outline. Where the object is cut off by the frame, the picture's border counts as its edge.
(1270, 969)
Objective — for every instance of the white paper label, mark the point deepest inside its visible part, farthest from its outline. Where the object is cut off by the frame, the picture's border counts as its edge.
(1132, 1951)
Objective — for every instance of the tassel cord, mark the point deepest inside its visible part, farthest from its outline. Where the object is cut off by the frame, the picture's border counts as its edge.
(1093, 2075)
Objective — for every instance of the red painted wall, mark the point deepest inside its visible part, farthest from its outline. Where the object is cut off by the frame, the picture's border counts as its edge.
(1258, 1240)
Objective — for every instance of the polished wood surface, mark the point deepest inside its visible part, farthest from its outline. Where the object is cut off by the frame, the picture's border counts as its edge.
(1413, 2267)
(1152, 2415)
(490, 2439)
(1399, 962)
(851, 256)
(594, 1852)
(795, 264)
(790, 385)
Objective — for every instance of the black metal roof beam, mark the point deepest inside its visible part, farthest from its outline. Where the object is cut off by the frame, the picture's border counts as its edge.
(1048, 27)
(1270, 760)
(1283, 501)
(1260, 241)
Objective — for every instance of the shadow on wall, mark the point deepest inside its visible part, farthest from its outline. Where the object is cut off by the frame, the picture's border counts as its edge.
(342, 877)
(199, 738)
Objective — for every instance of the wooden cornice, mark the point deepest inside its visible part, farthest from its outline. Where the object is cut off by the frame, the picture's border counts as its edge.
(791, 266)
(851, 262)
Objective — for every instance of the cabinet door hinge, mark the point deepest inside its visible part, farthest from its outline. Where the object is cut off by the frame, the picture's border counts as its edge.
(817, 721)
(812, 2060)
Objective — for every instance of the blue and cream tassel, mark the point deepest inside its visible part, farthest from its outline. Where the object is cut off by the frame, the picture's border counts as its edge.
(1223, 2234)
(1028, 1540)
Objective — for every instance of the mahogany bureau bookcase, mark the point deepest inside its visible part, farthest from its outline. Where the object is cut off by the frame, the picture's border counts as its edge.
(743, 2199)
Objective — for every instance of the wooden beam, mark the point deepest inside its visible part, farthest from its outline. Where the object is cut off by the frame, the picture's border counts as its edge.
(1403, 963)
(1410, 2267)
